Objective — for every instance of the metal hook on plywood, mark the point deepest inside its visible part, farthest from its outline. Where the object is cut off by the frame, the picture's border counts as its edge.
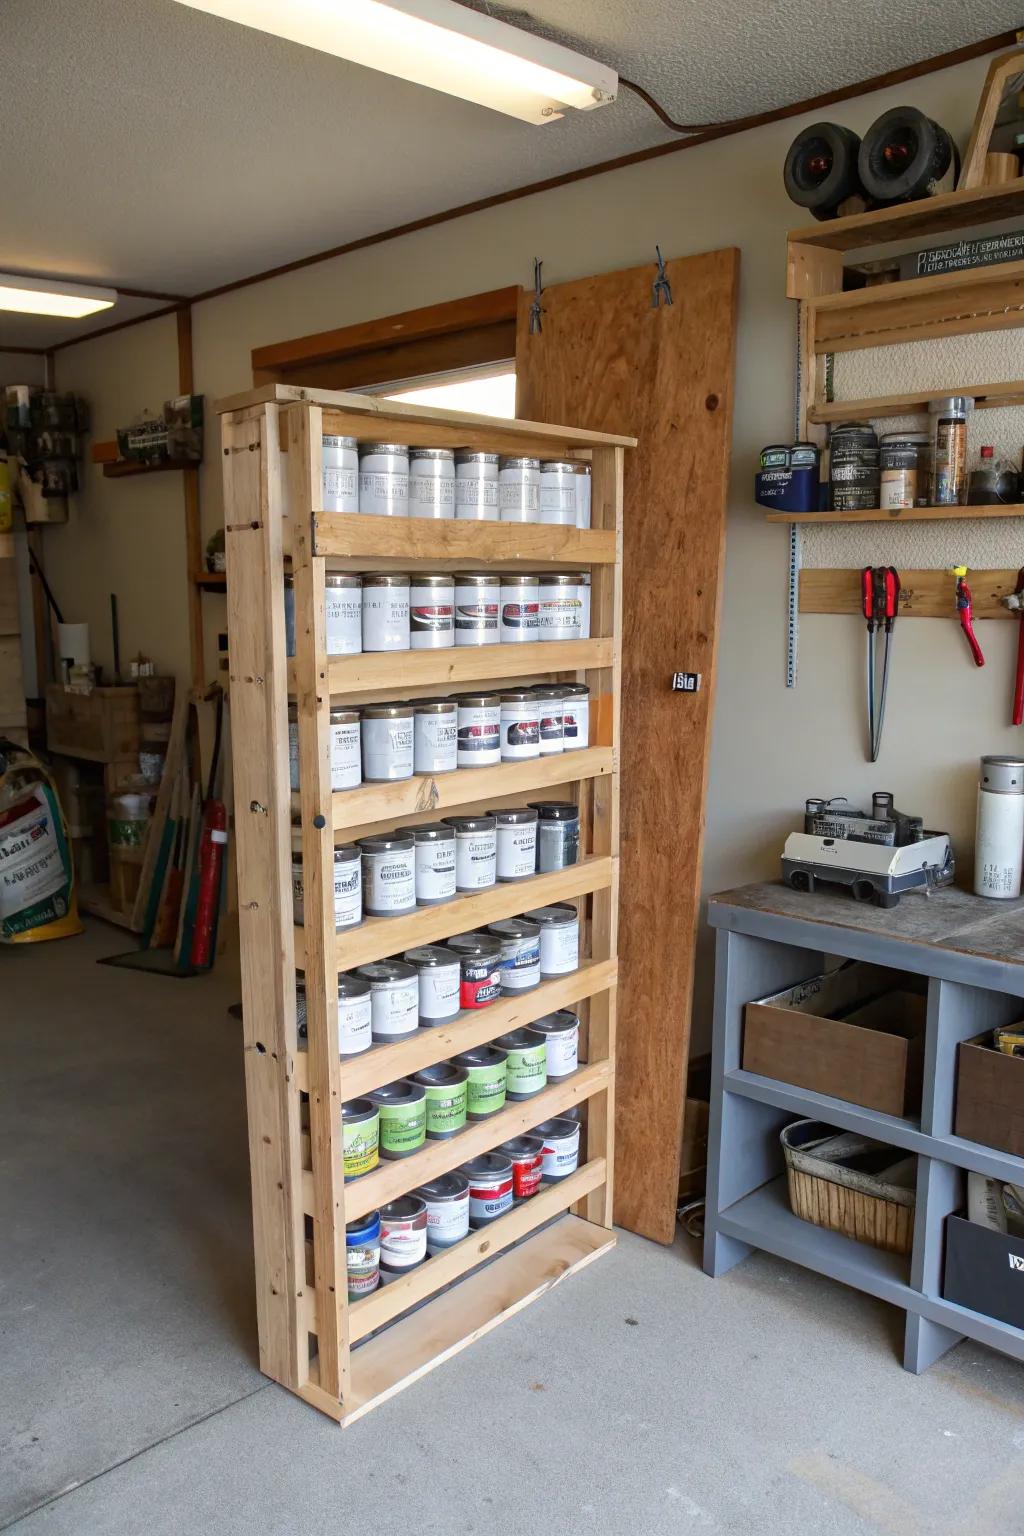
(536, 308)
(661, 288)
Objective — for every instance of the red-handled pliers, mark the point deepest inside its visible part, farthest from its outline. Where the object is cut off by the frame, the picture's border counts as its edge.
(880, 601)
(965, 608)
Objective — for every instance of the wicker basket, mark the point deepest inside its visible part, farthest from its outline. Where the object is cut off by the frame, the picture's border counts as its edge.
(873, 1207)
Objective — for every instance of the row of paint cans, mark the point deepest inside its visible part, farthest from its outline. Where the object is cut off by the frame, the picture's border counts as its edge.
(427, 611)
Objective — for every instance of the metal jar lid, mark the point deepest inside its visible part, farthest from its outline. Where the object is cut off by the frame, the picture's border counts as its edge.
(518, 696)
(558, 1128)
(344, 714)
(431, 832)
(386, 579)
(384, 971)
(431, 453)
(484, 944)
(352, 986)
(470, 456)
(514, 815)
(401, 449)
(561, 466)
(443, 1074)
(575, 691)
(358, 1109)
(580, 468)
(910, 439)
(548, 691)
(559, 579)
(430, 955)
(449, 1186)
(332, 440)
(520, 1040)
(858, 430)
(343, 854)
(951, 405)
(553, 917)
(1003, 775)
(489, 1165)
(378, 842)
(435, 707)
(476, 579)
(556, 810)
(519, 462)
(481, 1056)
(405, 1091)
(432, 579)
(522, 1148)
(387, 712)
(476, 700)
(519, 578)
(556, 1023)
(485, 823)
(342, 579)
(514, 928)
(405, 1208)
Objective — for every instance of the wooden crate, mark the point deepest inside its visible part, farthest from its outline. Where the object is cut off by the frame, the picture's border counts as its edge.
(308, 1330)
(99, 727)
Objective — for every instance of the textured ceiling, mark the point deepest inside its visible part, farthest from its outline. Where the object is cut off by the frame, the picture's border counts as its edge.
(149, 144)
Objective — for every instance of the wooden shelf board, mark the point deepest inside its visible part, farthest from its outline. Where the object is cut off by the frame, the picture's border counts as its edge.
(396, 1177)
(909, 221)
(358, 537)
(375, 671)
(124, 469)
(903, 515)
(923, 594)
(413, 1346)
(378, 937)
(387, 1063)
(479, 1247)
(894, 1129)
(429, 794)
(948, 304)
(211, 581)
(985, 397)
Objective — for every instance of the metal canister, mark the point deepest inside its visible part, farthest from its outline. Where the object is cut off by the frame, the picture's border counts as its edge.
(348, 887)
(520, 953)
(527, 1063)
(558, 492)
(476, 486)
(439, 975)
(527, 1156)
(559, 939)
(431, 482)
(386, 612)
(384, 479)
(354, 1013)
(516, 828)
(904, 459)
(389, 875)
(346, 747)
(490, 1187)
(447, 1202)
(477, 596)
(550, 697)
(360, 1137)
(479, 722)
(447, 1093)
(520, 725)
(434, 858)
(562, 1032)
(480, 981)
(583, 588)
(853, 467)
(583, 475)
(403, 1117)
(949, 449)
(519, 615)
(575, 716)
(999, 828)
(558, 834)
(403, 1236)
(435, 735)
(431, 611)
(519, 490)
(559, 610)
(487, 1071)
(339, 484)
(561, 1152)
(476, 851)
(388, 742)
(343, 613)
(394, 999)
(362, 1255)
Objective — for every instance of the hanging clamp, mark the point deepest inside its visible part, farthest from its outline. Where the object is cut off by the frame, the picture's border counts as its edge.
(536, 308)
(965, 608)
(661, 288)
(1014, 601)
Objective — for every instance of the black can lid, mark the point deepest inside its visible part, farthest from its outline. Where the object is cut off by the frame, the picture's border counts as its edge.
(556, 810)
(471, 823)
(431, 954)
(475, 944)
(431, 832)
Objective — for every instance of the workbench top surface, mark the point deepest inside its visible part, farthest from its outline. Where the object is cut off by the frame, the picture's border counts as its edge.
(948, 919)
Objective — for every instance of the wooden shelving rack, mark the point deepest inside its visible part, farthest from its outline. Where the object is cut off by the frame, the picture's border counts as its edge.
(307, 1328)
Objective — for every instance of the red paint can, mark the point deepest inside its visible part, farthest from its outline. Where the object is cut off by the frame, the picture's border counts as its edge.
(527, 1155)
(480, 968)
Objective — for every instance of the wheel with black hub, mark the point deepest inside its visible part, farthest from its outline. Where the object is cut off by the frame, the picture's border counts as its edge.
(821, 168)
(905, 156)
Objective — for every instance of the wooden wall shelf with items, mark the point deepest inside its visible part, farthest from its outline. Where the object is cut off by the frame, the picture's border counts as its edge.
(899, 515)
(308, 1327)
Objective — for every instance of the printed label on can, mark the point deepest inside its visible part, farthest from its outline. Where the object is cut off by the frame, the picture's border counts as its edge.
(293, 754)
(520, 964)
(560, 618)
(519, 621)
(385, 618)
(435, 870)
(476, 855)
(446, 1109)
(403, 1242)
(439, 991)
(490, 1199)
(363, 1270)
(346, 758)
(431, 490)
(348, 894)
(486, 1090)
(520, 734)
(354, 1030)
(430, 618)
(360, 1141)
(563, 1051)
(396, 1008)
(470, 491)
(479, 735)
(475, 620)
(436, 745)
(516, 495)
(561, 1155)
(340, 484)
(526, 1173)
(343, 612)
(447, 1221)
(383, 491)
(517, 850)
(527, 1070)
(558, 845)
(559, 948)
(389, 881)
(403, 1126)
(480, 985)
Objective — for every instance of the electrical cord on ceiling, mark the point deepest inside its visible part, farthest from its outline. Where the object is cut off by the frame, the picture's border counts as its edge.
(659, 112)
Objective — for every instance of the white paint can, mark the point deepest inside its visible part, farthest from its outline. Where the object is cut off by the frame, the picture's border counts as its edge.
(293, 747)
(348, 888)
(343, 613)
(559, 939)
(516, 829)
(561, 1153)
(403, 1236)
(340, 474)
(583, 592)
(385, 612)
(479, 729)
(388, 736)
(476, 608)
(346, 755)
(431, 611)
(476, 486)
(435, 735)
(434, 862)
(575, 716)
(520, 725)
(519, 608)
(447, 1201)
(559, 611)
(431, 482)
(549, 698)
(583, 484)
(520, 954)
(394, 999)
(440, 978)
(476, 851)
(519, 490)
(389, 875)
(558, 834)
(384, 479)
(558, 493)
(354, 1034)
(999, 840)
(562, 1032)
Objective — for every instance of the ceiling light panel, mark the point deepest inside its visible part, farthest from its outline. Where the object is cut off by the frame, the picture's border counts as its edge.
(47, 296)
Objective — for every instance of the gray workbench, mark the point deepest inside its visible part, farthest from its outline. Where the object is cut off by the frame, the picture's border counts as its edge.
(770, 937)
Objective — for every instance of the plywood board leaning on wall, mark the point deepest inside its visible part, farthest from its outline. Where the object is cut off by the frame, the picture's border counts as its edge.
(606, 358)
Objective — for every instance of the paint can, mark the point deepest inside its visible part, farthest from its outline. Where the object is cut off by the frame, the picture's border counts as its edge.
(431, 611)
(527, 1072)
(561, 1153)
(477, 594)
(434, 856)
(343, 613)
(389, 874)
(293, 748)
(480, 968)
(490, 1187)
(562, 1032)
(348, 887)
(853, 474)
(558, 834)
(558, 493)
(346, 752)
(999, 828)
(440, 981)
(520, 954)
(447, 1089)
(519, 599)
(904, 461)
(388, 742)
(559, 939)
(486, 1073)
(339, 476)
(360, 1137)
(289, 615)
(559, 610)
(354, 1032)
(949, 449)
(583, 484)
(386, 612)
(520, 725)
(403, 1237)
(476, 851)
(362, 1255)
(550, 699)
(384, 479)
(431, 482)
(479, 723)
(575, 717)
(435, 735)
(516, 829)
(476, 486)
(447, 1203)
(403, 1118)
(519, 490)
(394, 999)
(526, 1155)
(583, 588)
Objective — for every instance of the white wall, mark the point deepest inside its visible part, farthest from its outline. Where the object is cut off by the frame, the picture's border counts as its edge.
(772, 748)
(21, 368)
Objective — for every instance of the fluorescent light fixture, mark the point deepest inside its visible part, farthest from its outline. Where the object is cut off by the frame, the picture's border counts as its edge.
(440, 44)
(47, 296)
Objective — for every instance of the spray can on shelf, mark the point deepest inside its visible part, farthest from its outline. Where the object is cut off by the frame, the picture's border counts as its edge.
(999, 840)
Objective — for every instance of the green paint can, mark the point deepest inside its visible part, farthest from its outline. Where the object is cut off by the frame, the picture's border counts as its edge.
(527, 1062)
(486, 1069)
(360, 1135)
(447, 1090)
(403, 1117)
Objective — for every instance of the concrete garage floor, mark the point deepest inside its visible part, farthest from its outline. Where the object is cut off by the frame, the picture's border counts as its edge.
(638, 1396)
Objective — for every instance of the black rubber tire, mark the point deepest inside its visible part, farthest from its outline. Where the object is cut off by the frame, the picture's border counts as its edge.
(888, 898)
(821, 195)
(863, 890)
(800, 880)
(930, 153)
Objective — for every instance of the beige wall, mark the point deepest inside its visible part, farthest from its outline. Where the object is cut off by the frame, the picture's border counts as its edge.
(772, 748)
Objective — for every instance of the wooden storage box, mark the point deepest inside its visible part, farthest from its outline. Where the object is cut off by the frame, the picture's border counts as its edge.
(872, 1204)
(856, 1033)
(990, 1096)
(102, 726)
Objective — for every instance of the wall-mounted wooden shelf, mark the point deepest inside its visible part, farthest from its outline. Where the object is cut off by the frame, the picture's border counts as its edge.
(903, 515)
(211, 581)
(357, 537)
(923, 594)
(985, 397)
(910, 221)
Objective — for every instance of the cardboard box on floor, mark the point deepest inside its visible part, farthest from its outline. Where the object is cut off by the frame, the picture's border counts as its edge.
(855, 1033)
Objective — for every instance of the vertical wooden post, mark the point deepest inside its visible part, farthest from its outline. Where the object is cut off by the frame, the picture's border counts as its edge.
(259, 705)
(193, 524)
(314, 702)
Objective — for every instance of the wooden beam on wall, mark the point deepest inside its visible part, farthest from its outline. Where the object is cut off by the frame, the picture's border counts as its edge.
(193, 521)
